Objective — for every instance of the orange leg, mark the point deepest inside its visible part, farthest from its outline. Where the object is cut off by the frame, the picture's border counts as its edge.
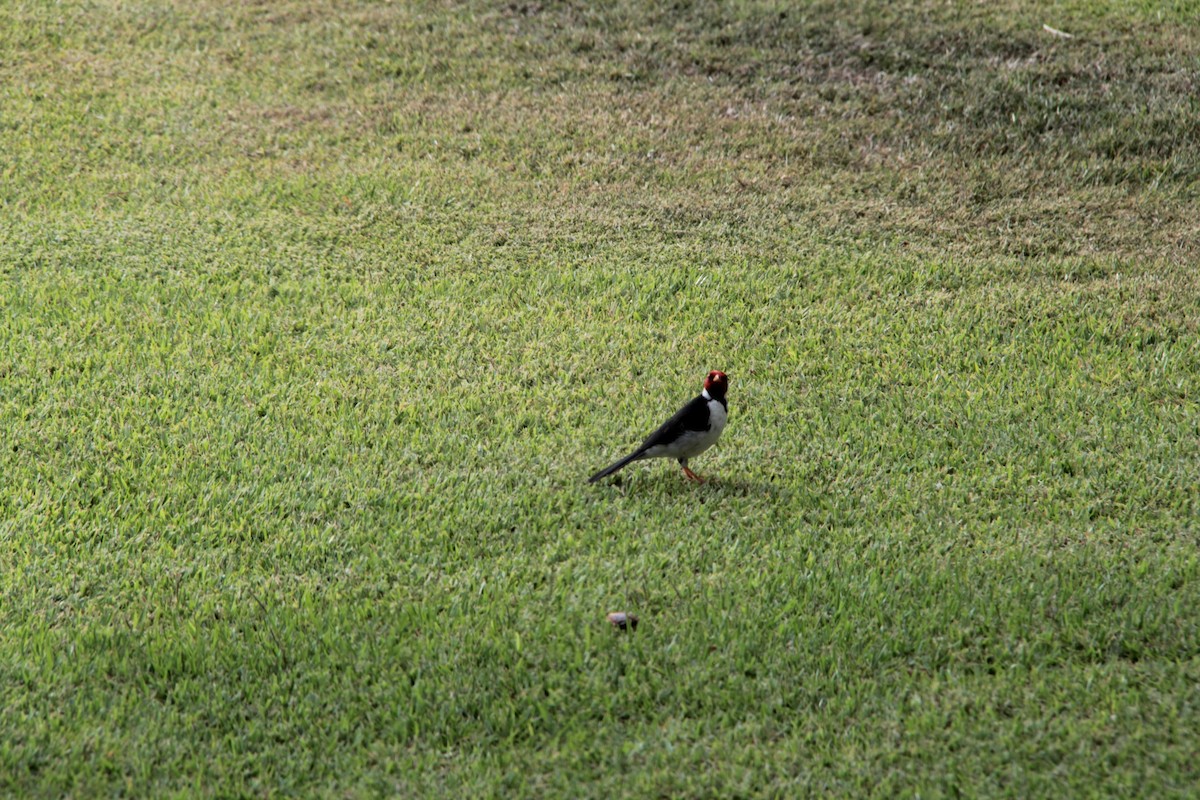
(692, 476)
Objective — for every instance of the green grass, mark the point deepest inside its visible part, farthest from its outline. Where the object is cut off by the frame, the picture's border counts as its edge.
(315, 319)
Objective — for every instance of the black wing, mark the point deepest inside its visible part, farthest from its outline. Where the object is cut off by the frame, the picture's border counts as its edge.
(692, 417)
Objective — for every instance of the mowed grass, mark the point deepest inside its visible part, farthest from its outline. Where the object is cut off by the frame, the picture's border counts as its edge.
(315, 318)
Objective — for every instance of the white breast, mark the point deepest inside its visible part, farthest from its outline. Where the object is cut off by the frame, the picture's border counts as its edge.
(716, 419)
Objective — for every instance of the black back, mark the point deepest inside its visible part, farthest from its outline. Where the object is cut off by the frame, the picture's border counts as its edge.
(692, 417)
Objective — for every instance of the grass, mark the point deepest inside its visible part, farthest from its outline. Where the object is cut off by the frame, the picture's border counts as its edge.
(315, 319)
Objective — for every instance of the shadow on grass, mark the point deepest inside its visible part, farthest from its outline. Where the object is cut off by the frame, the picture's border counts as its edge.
(714, 485)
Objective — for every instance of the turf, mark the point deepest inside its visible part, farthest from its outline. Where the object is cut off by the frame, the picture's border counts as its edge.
(315, 318)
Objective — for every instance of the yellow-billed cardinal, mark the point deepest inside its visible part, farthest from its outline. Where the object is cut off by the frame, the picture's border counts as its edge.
(694, 428)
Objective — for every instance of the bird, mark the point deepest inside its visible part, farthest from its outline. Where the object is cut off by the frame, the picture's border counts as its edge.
(694, 428)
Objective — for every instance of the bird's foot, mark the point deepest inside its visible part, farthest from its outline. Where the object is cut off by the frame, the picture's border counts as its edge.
(692, 476)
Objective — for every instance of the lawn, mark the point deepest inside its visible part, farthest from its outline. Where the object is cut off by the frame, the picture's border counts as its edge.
(315, 318)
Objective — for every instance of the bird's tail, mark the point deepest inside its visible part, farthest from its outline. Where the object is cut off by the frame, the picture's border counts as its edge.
(611, 468)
